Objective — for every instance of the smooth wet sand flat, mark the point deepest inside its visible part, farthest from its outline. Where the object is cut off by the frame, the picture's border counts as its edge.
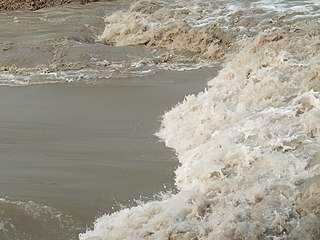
(84, 148)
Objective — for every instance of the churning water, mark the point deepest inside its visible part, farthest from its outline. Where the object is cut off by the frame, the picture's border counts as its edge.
(247, 145)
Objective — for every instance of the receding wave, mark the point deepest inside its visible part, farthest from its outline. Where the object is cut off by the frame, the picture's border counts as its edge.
(248, 148)
(29, 220)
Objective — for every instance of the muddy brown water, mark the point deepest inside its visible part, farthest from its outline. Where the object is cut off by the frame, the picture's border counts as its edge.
(77, 150)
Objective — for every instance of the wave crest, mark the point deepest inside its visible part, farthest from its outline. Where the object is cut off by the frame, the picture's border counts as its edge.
(153, 24)
(248, 148)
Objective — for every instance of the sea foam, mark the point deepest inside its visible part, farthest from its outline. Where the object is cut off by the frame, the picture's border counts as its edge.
(207, 28)
(248, 148)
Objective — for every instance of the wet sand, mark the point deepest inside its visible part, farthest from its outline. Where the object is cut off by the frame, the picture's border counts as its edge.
(86, 148)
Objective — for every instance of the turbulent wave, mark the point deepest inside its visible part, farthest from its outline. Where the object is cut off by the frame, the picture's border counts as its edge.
(207, 28)
(167, 24)
(184, 34)
(248, 146)
(29, 220)
(59, 48)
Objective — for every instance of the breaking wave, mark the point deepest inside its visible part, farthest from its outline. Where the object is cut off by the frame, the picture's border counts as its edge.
(207, 28)
(248, 145)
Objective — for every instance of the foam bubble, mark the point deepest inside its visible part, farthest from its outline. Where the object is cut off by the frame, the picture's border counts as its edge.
(205, 28)
(248, 148)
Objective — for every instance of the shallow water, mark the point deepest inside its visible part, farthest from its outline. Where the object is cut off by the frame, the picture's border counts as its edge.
(74, 150)
(86, 149)
(247, 145)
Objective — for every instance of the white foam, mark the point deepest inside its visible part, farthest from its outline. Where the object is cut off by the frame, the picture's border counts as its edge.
(248, 148)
